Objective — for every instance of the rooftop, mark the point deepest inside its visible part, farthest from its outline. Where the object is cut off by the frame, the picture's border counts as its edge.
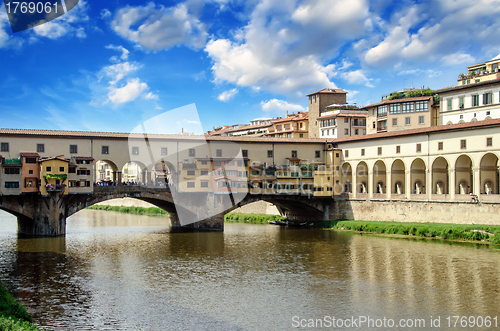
(432, 129)
(329, 90)
(386, 102)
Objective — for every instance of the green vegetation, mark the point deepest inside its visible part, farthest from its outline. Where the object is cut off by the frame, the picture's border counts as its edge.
(55, 176)
(412, 93)
(252, 218)
(488, 233)
(130, 210)
(13, 316)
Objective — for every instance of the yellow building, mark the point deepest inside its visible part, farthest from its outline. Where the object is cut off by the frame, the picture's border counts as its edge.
(481, 72)
(292, 126)
(53, 175)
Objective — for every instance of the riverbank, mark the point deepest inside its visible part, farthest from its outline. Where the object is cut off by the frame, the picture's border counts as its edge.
(251, 218)
(455, 232)
(153, 211)
(13, 316)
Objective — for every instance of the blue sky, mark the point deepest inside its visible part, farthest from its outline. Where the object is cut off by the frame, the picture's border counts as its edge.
(110, 65)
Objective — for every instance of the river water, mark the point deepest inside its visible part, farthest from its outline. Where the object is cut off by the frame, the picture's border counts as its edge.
(116, 271)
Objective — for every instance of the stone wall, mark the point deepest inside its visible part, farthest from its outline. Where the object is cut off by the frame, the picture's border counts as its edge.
(418, 211)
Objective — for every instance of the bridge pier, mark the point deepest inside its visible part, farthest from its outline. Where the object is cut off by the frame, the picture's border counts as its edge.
(214, 223)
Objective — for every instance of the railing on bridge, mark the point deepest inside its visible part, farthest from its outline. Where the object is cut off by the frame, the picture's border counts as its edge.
(130, 189)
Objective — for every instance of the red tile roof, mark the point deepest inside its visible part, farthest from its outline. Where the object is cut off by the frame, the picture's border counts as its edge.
(432, 129)
(467, 86)
(29, 154)
(296, 118)
(329, 90)
(386, 102)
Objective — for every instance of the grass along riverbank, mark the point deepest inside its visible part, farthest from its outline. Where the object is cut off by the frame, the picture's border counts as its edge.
(13, 316)
(459, 232)
(251, 218)
(153, 211)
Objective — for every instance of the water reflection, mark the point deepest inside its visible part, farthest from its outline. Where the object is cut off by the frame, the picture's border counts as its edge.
(125, 272)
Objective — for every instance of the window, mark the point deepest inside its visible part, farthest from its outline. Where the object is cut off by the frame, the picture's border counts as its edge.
(190, 184)
(301, 135)
(407, 107)
(489, 142)
(40, 148)
(440, 145)
(11, 184)
(379, 150)
(421, 106)
(217, 163)
(364, 131)
(419, 148)
(362, 152)
(204, 184)
(421, 120)
(278, 127)
(12, 171)
(218, 152)
(346, 153)
(394, 122)
(164, 151)
(269, 153)
(488, 113)
(463, 144)
(356, 131)
(408, 120)
(61, 169)
(245, 152)
(191, 152)
(461, 103)
(30, 172)
(73, 149)
(190, 173)
(461, 117)
(346, 132)
(30, 160)
(475, 100)
(346, 120)
(374, 125)
(449, 104)
(203, 172)
(317, 154)
(294, 153)
(382, 110)
(395, 108)
(105, 150)
(398, 149)
(72, 170)
(48, 169)
(487, 98)
(135, 150)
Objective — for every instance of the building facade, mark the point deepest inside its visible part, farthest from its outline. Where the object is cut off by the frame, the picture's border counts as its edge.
(318, 101)
(342, 122)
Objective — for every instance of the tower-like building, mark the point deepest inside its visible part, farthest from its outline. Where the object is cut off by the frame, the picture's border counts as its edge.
(318, 101)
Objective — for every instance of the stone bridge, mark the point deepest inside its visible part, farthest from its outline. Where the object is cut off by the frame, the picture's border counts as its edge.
(46, 215)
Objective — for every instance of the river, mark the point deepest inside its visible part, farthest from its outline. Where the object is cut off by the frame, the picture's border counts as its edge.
(117, 271)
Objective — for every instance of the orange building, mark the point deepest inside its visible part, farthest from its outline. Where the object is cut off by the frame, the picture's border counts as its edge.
(30, 172)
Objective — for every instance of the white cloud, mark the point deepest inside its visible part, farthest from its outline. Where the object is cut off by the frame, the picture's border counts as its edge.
(127, 93)
(284, 47)
(150, 96)
(105, 13)
(125, 52)
(429, 72)
(280, 105)
(458, 58)
(357, 77)
(6, 40)
(227, 95)
(160, 27)
(117, 71)
(65, 24)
